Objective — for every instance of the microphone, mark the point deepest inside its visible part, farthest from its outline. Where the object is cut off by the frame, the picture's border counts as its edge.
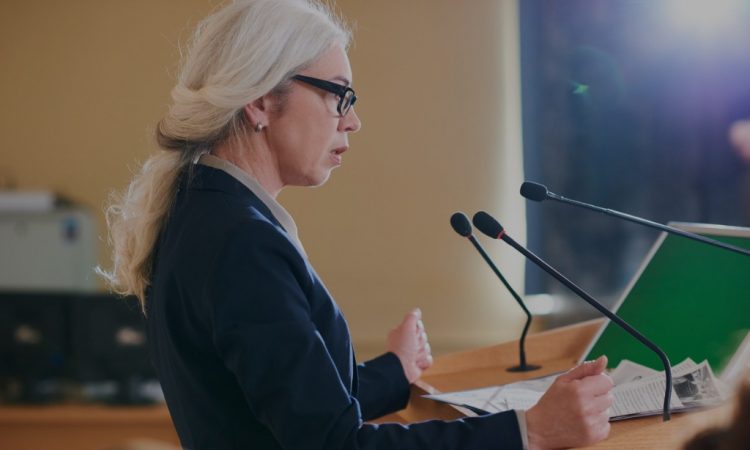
(492, 228)
(538, 193)
(462, 226)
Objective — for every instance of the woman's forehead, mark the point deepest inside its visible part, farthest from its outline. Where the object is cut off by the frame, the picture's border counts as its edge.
(332, 65)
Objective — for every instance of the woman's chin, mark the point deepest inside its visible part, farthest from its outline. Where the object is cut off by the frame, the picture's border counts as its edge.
(318, 179)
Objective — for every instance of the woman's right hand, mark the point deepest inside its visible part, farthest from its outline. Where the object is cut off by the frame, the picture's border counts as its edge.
(573, 411)
(409, 342)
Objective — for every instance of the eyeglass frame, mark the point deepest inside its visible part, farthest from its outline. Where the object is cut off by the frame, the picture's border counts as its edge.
(339, 90)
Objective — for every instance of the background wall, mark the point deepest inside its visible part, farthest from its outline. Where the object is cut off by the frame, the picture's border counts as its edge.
(84, 82)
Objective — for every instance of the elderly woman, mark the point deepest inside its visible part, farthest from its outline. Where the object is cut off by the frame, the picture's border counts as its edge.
(251, 350)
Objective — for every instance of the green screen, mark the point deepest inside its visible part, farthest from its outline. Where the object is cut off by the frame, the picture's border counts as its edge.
(691, 299)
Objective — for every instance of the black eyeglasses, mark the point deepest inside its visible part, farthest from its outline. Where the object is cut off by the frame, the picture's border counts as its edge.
(344, 93)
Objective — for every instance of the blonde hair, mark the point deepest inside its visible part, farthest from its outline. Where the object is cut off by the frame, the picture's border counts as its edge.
(240, 53)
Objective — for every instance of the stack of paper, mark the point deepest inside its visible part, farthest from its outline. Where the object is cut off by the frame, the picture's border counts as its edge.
(638, 391)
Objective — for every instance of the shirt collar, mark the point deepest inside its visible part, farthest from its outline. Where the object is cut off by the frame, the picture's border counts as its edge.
(278, 211)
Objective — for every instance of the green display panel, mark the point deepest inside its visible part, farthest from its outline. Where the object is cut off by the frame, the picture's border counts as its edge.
(690, 299)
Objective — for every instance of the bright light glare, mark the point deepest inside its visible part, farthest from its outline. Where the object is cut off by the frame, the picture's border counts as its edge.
(705, 19)
(541, 304)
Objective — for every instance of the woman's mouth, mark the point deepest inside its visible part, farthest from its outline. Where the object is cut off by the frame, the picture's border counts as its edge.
(336, 155)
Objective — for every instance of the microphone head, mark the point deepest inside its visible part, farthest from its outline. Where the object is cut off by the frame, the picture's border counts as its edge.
(534, 191)
(461, 224)
(487, 224)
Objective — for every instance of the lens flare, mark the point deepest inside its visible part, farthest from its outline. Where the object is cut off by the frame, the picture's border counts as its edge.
(706, 19)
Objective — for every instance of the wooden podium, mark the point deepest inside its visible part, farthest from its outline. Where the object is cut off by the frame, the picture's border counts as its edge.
(555, 350)
(98, 428)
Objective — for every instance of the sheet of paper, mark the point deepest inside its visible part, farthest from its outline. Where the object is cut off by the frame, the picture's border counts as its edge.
(520, 395)
(639, 391)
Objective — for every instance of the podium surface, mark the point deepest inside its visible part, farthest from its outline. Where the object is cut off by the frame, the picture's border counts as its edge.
(555, 350)
(92, 427)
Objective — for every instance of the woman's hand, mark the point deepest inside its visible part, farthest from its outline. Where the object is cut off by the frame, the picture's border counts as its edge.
(409, 342)
(573, 411)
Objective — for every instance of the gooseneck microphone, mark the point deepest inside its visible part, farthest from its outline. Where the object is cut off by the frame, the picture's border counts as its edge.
(462, 226)
(492, 228)
(538, 193)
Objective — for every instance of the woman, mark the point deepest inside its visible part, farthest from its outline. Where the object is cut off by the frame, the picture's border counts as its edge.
(251, 350)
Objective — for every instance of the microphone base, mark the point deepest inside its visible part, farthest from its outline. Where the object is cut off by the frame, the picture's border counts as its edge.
(524, 368)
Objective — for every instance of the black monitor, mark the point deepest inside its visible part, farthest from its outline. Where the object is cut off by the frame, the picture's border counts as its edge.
(109, 348)
(74, 346)
(35, 351)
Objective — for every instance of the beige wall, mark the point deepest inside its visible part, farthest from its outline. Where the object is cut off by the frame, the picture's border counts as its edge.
(84, 82)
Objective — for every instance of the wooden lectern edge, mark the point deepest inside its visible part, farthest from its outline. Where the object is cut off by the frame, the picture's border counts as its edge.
(555, 350)
(566, 342)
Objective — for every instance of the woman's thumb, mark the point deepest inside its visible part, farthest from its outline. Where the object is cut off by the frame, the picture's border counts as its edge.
(412, 317)
(587, 369)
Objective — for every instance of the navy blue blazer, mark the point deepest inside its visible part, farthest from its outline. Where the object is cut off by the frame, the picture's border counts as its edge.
(253, 353)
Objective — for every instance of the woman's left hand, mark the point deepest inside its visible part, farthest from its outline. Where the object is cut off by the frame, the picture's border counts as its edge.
(409, 342)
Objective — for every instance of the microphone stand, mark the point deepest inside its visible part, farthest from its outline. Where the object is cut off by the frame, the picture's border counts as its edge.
(522, 366)
(590, 300)
(635, 219)
(462, 226)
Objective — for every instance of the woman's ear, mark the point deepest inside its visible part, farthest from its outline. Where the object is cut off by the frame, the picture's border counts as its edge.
(257, 112)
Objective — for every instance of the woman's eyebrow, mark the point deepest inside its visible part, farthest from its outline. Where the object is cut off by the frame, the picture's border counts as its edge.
(343, 79)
